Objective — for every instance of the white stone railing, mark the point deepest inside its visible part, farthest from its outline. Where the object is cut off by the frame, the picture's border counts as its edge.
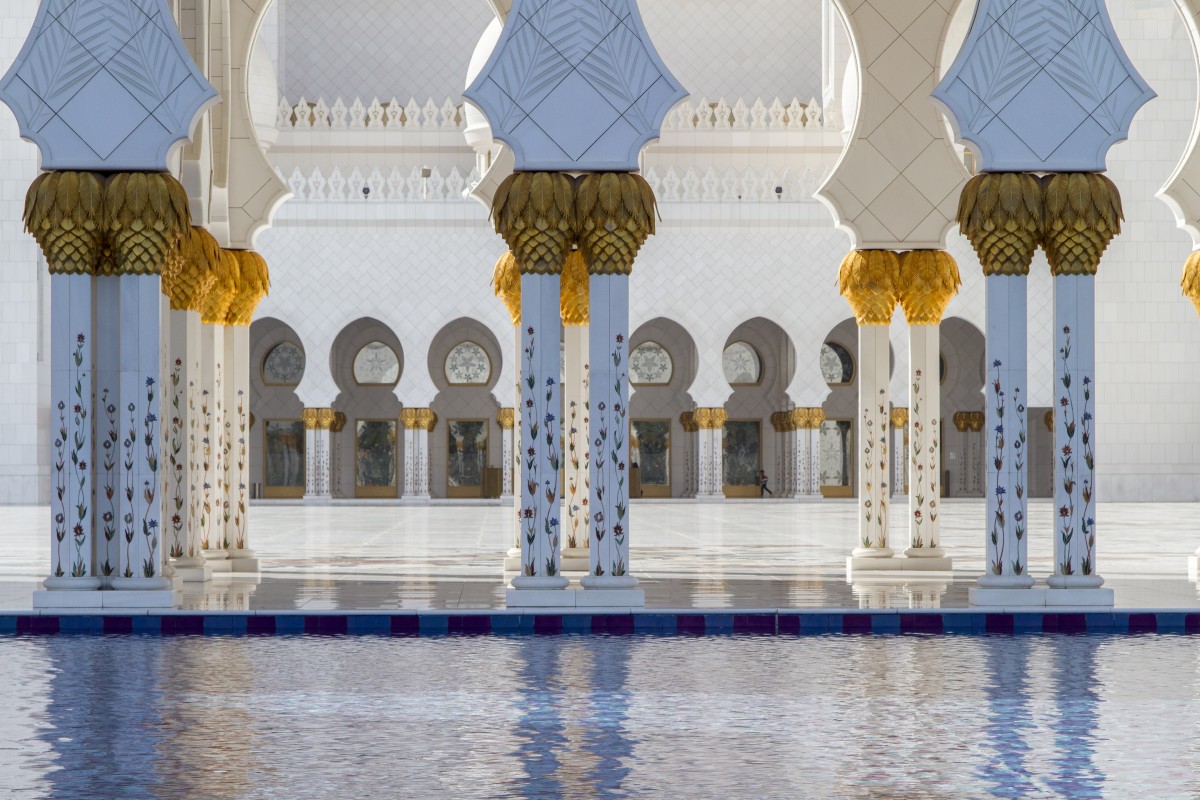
(700, 115)
(670, 186)
(391, 115)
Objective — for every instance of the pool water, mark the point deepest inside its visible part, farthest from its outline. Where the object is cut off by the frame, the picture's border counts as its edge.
(599, 717)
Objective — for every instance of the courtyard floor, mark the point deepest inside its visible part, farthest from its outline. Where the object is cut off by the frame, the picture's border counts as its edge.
(770, 554)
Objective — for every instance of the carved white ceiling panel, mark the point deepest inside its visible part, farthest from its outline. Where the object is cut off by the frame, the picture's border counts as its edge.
(575, 85)
(105, 85)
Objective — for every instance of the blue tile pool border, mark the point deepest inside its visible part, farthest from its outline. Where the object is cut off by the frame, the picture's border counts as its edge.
(693, 622)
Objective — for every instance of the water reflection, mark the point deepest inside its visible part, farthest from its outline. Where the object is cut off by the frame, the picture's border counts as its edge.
(598, 717)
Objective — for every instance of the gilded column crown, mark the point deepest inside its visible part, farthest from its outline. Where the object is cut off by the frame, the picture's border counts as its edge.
(339, 422)
(1191, 279)
(507, 418)
(215, 308)
(710, 419)
(929, 279)
(418, 418)
(64, 212)
(899, 417)
(189, 284)
(868, 280)
(807, 418)
(146, 215)
(318, 419)
(1082, 215)
(962, 421)
(1001, 215)
(533, 212)
(614, 215)
(1048, 420)
(254, 282)
(779, 421)
(506, 283)
(688, 420)
(574, 291)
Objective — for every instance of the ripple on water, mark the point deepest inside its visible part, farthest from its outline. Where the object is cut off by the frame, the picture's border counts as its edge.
(586, 717)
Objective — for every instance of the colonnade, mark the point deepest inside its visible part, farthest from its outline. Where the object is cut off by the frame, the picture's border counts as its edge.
(149, 390)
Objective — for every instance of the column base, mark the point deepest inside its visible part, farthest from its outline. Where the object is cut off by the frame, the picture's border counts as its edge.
(1005, 581)
(925, 552)
(895, 564)
(512, 560)
(130, 600)
(576, 559)
(709, 498)
(200, 574)
(242, 560)
(609, 591)
(1002, 597)
(1074, 581)
(217, 561)
(1041, 597)
(530, 591)
(141, 584)
(872, 552)
(56, 584)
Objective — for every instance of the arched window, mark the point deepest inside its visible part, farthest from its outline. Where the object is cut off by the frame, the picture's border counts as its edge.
(283, 365)
(837, 365)
(743, 366)
(650, 364)
(376, 364)
(468, 364)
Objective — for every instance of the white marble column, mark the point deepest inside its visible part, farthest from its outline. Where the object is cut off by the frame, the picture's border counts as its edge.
(506, 419)
(777, 478)
(318, 455)
(688, 421)
(212, 442)
(807, 453)
(576, 407)
(540, 407)
(874, 459)
(1074, 528)
(710, 447)
(111, 427)
(899, 424)
(71, 407)
(609, 431)
(237, 438)
(925, 446)
(418, 422)
(183, 463)
(139, 408)
(1005, 442)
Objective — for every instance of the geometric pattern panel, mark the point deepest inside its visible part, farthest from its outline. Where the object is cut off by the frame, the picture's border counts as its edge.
(897, 184)
(575, 85)
(1042, 85)
(105, 85)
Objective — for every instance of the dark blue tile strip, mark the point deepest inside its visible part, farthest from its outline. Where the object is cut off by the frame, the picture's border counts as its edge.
(619, 624)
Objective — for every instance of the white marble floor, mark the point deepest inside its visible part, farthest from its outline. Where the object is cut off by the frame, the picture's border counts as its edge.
(738, 554)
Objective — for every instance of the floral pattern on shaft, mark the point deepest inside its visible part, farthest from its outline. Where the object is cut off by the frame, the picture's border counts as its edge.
(150, 443)
(1077, 482)
(875, 421)
(176, 462)
(611, 448)
(923, 466)
(1000, 560)
(579, 457)
(541, 424)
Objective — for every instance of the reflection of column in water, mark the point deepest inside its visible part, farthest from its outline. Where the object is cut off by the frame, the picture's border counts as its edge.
(925, 595)
(1009, 721)
(103, 722)
(1076, 700)
(608, 710)
(539, 733)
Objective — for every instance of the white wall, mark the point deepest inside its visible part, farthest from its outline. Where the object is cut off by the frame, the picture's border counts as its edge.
(24, 376)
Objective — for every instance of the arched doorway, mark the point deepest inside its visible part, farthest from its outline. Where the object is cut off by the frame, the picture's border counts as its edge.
(759, 361)
(366, 361)
(277, 364)
(662, 365)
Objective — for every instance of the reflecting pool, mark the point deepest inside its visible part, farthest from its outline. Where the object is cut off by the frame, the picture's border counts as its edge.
(586, 717)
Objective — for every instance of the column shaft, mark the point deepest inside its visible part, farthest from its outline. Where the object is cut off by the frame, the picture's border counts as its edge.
(540, 407)
(874, 461)
(576, 406)
(609, 431)
(183, 465)
(237, 462)
(1005, 443)
(71, 499)
(212, 441)
(924, 442)
(111, 428)
(1075, 433)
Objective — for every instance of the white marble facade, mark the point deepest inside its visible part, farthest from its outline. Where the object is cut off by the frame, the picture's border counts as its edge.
(420, 265)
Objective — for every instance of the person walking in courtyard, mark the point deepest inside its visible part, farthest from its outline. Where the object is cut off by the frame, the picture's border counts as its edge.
(763, 490)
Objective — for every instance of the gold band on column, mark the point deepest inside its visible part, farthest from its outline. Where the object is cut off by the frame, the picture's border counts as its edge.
(534, 212)
(64, 212)
(688, 420)
(506, 418)
(807, 419)
(614, 215)
(1082, 215)
(339, 422)
(928, 280)
(214, 310)
(899, 417)
(145, 216)
(318, 419)
(254, 282)
(506, 283)
(574, 293)
(710, 419)
(418, 418)
(1001, 214)
(1191, 279)
(867, 279)
(189, 283)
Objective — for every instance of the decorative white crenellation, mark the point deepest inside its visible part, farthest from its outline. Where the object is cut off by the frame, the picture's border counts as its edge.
(1179, 192)
(375, 115)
